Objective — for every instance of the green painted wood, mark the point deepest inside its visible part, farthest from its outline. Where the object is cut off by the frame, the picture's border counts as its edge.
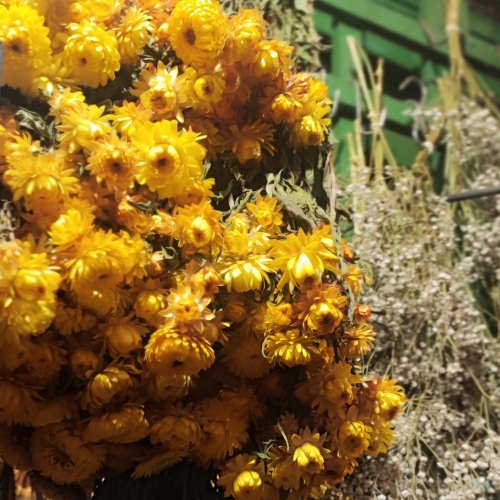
(403, 146)
(343, 127)
(482, 51)
(323, 22)
(410, 36)
(392, 51)
(484, 27)
(406, 7)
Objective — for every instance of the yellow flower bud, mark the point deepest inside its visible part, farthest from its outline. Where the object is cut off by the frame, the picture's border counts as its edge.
(199, 233)
(309, 457)
(164, 161)
(122, 339)
(30, 285)
(84, 361)
(285, 107)
(308, 131)
(306, 269)
(247, 486)
(240, 222)
(248, 149)
(236, 309)
(161, 99)
(149, 302)
(323, 317)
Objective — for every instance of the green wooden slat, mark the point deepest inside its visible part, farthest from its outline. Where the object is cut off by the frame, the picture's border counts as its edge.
(391, 51)
(484, 27)
(384, 17)
(342, 128)
(395, 108)
(403, 26)
(405, 149)
(406, 7)
(482, 51)
(323, 22)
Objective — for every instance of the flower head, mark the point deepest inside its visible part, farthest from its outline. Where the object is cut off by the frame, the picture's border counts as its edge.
(301, 260)
(91, 53)
(61, 454)
(132, 34)
(290, 348)
(198, 31)
(169, 158)
(245, 30)
(242, 477)
(42, 178)
(248, 141)
(26, 45)
(169, 352)
(198, 227)
(267, 214)
(353, 438)
(113, 161)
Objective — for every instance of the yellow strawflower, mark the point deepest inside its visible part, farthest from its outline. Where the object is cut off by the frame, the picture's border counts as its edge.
(310, 129)
(114, 161)
(81, 127)
(126, 425)
(198, 227)
(245, 30)
(41, 178)
(169, 157)
(50, 442)
(390, 397)
(171, 353)
(70, 228)
(121, 336)
(309, 453)
(301, 260)
(132, 34)
(353, 438)
(61, 103)
(242, 477)
(128, 118)
(270, 58)
(249, 274)
(178, 429)
(26, 45)
(91, 53)
(224, 431)
(18, 403)
(84, 362)
(248, 141)
(290, 348)
(357, 340)
(320, 309)
(198, 31)
(106, 385)
(50, 79)
(330, 388)
(28, 284)
(187, 309)
(162, 91)
(267, 214)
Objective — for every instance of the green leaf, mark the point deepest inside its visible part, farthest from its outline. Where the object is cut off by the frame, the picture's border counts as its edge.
(35, 123)
(169, 253)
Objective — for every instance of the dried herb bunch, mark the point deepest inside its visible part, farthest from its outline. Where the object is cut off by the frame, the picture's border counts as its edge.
(435, 293)
(171, 291)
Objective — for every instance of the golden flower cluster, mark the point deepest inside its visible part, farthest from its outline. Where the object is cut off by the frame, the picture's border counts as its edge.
(140, 326)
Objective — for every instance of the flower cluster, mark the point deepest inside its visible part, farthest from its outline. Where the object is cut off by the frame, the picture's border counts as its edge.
(139, 325)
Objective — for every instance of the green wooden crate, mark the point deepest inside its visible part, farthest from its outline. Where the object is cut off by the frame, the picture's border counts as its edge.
(410, 36)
